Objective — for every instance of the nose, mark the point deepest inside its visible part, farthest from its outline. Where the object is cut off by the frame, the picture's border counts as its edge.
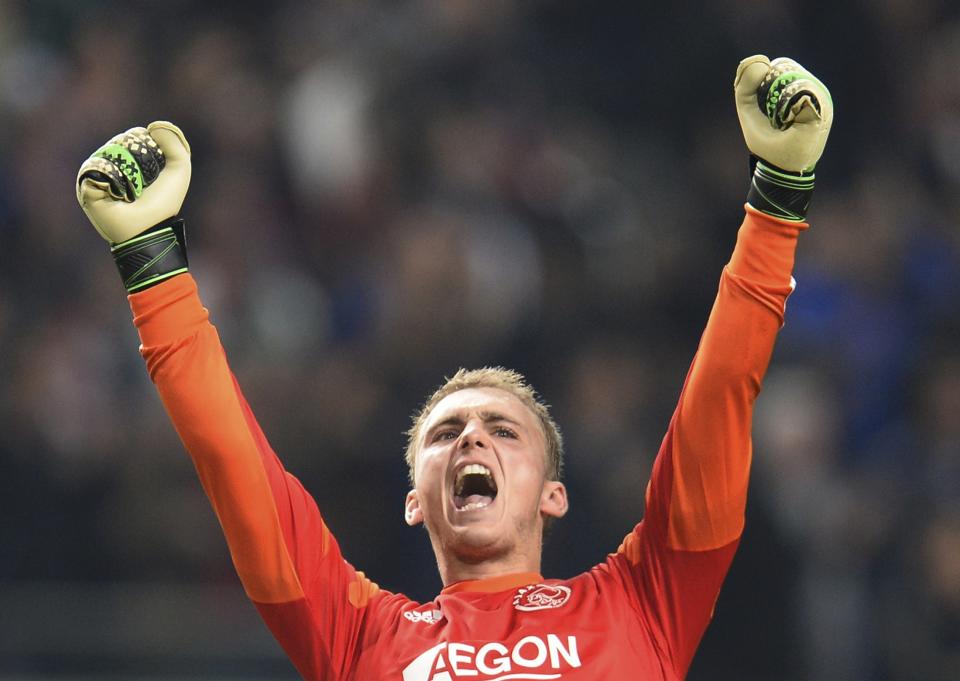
(474, 435)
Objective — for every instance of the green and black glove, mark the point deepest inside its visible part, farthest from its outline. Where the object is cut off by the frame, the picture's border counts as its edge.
(132, 189)
(785, 113)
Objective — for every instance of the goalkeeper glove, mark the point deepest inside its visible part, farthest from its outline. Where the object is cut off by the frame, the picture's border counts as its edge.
(785, 113)
(132, 189)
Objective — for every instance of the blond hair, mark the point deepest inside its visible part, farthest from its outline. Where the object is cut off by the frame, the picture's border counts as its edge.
(503, 379)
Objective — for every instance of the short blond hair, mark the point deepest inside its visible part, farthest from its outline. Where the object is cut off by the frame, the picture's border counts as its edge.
(503, 379)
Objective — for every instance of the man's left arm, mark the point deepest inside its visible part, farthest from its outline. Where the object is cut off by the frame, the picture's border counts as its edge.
(710, 431)
(679, 555)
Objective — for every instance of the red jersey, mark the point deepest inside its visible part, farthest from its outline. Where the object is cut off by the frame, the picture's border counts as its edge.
(639, 615)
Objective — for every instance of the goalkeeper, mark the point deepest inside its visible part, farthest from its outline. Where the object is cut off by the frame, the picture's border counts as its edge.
(484, 453)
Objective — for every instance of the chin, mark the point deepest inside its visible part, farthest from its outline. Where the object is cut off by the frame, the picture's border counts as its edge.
(476, 544)
(479, 552)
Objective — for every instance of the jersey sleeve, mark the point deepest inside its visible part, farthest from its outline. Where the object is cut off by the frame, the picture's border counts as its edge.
(290, 565)
(676, 559)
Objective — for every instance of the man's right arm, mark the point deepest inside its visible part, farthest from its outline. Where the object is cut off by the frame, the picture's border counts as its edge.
(289, 564)
(186, 362)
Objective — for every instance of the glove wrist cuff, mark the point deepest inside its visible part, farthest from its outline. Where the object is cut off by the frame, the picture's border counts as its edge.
(781, 193)
(152, 256)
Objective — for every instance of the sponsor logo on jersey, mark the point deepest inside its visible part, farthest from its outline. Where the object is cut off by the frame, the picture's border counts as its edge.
(541, 597)
(428, 616)
(532, 657)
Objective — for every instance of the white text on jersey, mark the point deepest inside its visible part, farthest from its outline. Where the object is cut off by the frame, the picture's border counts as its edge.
(532, 657)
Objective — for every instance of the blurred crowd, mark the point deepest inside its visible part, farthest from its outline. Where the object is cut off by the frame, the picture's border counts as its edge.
(384, 192)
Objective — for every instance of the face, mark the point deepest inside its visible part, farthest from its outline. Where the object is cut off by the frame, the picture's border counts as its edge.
(480, 477)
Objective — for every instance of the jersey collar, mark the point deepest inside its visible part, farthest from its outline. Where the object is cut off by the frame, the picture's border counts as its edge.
(494, 584)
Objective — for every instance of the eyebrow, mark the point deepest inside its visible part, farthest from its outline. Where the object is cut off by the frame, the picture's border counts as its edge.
(458, 420)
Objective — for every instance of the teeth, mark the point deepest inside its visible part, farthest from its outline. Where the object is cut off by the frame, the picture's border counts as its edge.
(471, 469)
(475, 505)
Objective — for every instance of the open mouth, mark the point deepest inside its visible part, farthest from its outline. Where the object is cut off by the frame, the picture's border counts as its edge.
(474, 487)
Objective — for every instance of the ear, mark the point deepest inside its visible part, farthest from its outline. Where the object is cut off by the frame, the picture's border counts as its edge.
(553, 499)
(412, 513)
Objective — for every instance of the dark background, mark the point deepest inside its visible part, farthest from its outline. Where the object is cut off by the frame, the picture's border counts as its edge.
(384, 192)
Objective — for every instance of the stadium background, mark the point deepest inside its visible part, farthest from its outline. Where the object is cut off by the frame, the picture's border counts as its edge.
(386, 191)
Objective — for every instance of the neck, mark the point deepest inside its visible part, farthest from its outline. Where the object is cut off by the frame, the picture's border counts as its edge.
(457, 569)
(463, 560)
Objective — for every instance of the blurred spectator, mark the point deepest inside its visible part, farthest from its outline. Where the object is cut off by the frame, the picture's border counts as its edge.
(922, 602)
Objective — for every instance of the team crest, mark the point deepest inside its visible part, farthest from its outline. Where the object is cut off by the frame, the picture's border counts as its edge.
(541, 597)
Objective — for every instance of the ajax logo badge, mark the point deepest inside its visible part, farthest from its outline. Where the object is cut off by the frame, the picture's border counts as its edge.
(541, 597)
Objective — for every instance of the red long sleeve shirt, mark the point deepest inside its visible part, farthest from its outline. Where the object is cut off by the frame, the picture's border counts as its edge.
(638, 615)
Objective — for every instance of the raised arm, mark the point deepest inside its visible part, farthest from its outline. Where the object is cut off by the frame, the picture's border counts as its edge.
(678, 556)
(288, 562)
(709, 436)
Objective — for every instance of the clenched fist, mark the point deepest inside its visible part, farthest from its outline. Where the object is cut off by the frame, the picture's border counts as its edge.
(132, 189)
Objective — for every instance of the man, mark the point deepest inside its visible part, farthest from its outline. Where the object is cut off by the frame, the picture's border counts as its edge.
(484, 453)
